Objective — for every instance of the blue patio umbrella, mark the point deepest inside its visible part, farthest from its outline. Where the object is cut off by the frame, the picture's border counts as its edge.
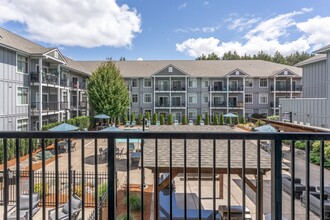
(102, 116)
(265, 128)
(111, 129)
(230, 115)
(64, 127)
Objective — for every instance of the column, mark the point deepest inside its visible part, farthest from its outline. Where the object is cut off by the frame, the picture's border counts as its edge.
(186, 104)
(274, 107)
(154, 104)
(291, 87)
(40, 94)
(69, 104)
(244, 96)
(170, 112)
(227, 102)
(78, 98)
(59, 98)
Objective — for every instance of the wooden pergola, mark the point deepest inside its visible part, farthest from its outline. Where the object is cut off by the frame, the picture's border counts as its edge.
(207, 160)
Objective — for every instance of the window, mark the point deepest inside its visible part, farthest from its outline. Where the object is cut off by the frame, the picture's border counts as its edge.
(263, 98)
(147, 83)
(248, 82)
(134, 83)
(22, 96)
(263, 82)
(22, 124)
(192, 113)
(135, 98)
(170, 69)
(147, 98)
(205, 83)
(192, 98)
(192, 83)
(22, 64)
(204, 112)
(205, 98)
(249, 98)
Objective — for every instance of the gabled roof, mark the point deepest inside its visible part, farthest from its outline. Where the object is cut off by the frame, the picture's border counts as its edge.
(197, 68)
(76, 66)
(314, 59)
(323, 49)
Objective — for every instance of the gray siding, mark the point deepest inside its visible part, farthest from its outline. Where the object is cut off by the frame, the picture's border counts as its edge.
(315, 80)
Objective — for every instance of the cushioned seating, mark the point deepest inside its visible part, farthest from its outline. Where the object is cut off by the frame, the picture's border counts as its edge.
(63, 212)
(24, 206)
(236, 212)
(298, 186)
(314, 203)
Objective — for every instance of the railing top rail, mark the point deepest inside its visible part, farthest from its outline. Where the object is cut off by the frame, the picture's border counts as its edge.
(171, 135)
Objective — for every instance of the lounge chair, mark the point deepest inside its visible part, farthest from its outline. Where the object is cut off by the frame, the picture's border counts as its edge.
(24, 207)
(315, 205)
(236, 212)
(127, 123)
(176, 123)
(63, 213)
(133, 124)
(202, 123)
(298, 186)
(191, 123)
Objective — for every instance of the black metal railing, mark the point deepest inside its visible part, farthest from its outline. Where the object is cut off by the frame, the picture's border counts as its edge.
(162, 104)
(64, 82)
(277, 104)
(178, 88)
(162, 88)
(46, 106)
(236, 88)
(83, 104)
(286, 88)
(166, 154)
(178, 104)
(219, 104)
(218, 88)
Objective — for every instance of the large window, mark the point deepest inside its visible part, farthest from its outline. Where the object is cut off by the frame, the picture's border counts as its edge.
(249, 82)
(134, 83)
(205, 98)
(22, 124)
(147, 83)
(205, 83)
(248, 98)
(263, 98)
(22, 64)
(192, 98)
(22, 96)
(147, 98)
(135, 98)
(192, 83)
(263, 82)
(192, 113)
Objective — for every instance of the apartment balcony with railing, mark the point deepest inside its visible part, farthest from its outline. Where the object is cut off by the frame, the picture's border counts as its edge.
(219, 104)
(218, 88)
(274, 106)
(47, 78)
(83, 104)
(167, 88)
(48, 107)
(286, 88)
(224, 174)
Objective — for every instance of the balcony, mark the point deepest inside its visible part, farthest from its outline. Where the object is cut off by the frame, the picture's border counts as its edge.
(218, 88)
(178, 104)
(162, 88)
(47, 78)
(83, 104)
(276, 104)
(236, 88)
(219, 104)
(162, 104)
(64, 82)
(286, 88)
(200, 159)
(178, 88)
(47, 107)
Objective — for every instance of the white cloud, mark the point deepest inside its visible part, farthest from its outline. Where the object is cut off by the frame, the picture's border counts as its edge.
(242, 23)
(206, 3)
(197, 29)
(270, 35)
(317, 30)
(183, 5)
(66, 22)
(139, 59)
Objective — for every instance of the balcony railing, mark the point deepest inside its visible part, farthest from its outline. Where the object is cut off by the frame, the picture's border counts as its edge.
(162, 104)
(162, 88)
(178, 104)
(179, 88)
(83, 104)
(48, 107)
(166, 154)
(236, 88)
(218, 88)
(276, 104)
(64, 82)
(286, 88)
(219, 104)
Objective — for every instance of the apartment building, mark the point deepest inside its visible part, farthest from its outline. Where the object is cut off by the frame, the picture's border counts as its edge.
(38, 85)
(195, 87)
(313, 107)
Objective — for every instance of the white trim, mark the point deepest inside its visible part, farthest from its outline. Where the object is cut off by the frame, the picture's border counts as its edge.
(260, 97)
(245, 99)
(144, 96)
(195, 113)
(192, 79)
(246, 85)
(28, 96)
(27, 61)
(23, 124)
(208, 97)
(144, 80)
(192, 94)
(137, 82)
(263, 86)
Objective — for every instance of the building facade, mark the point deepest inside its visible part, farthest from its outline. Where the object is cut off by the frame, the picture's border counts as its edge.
(194, 88)
(38, 85)
(313, 107)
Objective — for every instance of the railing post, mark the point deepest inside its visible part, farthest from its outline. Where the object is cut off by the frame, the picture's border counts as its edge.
(276, 179)
(111, 178)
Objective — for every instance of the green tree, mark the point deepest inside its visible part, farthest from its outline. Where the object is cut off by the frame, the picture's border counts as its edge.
(199, 119)
(132, 117)
(118, 120)
(237, 120)
(170, 119)
(207, 119)
(107, 91)
(162, 119)
(140, 118)
(147, 116)
(222, 120)
(215, 119)
(184, 119)
(243, 121)
(154, 118)
(124, 119)
(230, 120)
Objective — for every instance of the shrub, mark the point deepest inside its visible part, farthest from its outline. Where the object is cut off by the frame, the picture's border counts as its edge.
(125, 217)
(316, 146)
(222, 120)
(237, 120)
(102, 188)
(207, 119)
(78, 190)
(327, 152)
(243, 121)
(132, 117)
(140, 118)
(170, 119)
(38, 189)
(184, 119)
(134, 202)
(125, 119)
(300, 145)
(199, 119)
(147, 116)
(154, 118)
(274, 117)
(215, 119)
(162, 119)
(260, 123)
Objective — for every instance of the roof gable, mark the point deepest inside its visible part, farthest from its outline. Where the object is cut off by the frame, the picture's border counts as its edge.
(237, 73)
(285, 73)
(55, 54)
(170, 70)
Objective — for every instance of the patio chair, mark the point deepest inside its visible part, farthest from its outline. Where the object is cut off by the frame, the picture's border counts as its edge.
(127, 124)
(298, 186)
(133, 124)
(24, 207)
(236, 212)
(202, 123)
(63, 212)
(119, 152)
(191, 123)
(315, 205)
(176, 123)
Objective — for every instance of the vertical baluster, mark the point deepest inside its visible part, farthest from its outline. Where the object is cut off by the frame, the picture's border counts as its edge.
(214, 178)
(112, 178)
(259, 185)
(18, 190)
(156, 180)
(96, 196)
(307, 179)
(5, 179)
(171, 202)
(43, 181)
(243, 181)
(322, 179)
(70, 177)
(57, 188)
(228, 180)
(185, 177)
(30, 179)
(128, 179)
(199, 179)
(83, 197)
(292, 168)
(276, 179)
(142, 180)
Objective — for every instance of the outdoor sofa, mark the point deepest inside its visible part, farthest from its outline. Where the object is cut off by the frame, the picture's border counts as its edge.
(298, 186)
(24, 207)
(63, 213)
(315, 205)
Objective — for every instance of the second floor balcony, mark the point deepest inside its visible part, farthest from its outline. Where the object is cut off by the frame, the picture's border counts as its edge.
(277, 104)
(286, 88)
(224, 174)
(48, 107)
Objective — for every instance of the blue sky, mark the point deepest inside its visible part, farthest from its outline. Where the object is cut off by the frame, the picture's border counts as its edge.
(158, 30)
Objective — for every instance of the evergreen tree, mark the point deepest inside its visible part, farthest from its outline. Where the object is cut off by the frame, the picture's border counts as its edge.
(147, 116)
(154, 118)
(162, 119)
(184, 119)
(207, 119)
(170, 119)
(215, 119)
(222, 120)
(199, 119)
(132, 117)
(140, 118)
(124, 119)
(230, 120)
(243, 121)
(237, 120)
